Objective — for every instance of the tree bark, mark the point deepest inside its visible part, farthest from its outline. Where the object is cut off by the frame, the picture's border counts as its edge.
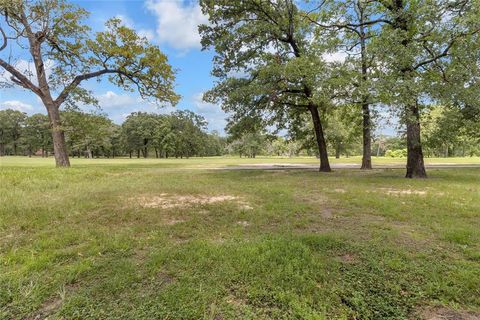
(367, 138)
(58, 136)
(415, 164)
(322, 145)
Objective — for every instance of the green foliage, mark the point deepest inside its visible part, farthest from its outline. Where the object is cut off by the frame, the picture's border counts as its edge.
(450, 131)
(93, 134)
(11, 125)
(398, 153)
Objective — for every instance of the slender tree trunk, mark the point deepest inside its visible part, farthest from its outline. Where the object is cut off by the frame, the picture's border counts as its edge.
(322, 145)
(415, 164)
(367, 138)
(58, 136)
(2, 149)
(367, 121)
(337, 152)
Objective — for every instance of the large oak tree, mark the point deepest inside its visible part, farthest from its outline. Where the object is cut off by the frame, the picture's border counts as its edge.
(267, 62)
(51, 36)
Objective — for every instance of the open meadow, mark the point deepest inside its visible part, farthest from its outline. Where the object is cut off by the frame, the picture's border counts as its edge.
(174, 239)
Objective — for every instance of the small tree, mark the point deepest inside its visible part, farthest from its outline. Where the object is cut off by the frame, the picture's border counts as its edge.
(52, 33)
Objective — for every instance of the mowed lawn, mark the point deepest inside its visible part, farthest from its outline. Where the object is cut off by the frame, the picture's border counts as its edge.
(151, 239)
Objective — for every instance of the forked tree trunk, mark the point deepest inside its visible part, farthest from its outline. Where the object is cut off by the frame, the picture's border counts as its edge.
(367, 138)
(415, 164)
(319, 136)
(58, 136)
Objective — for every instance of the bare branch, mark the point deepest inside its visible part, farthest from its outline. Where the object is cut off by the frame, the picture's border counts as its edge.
(4, 36)
(18, 78)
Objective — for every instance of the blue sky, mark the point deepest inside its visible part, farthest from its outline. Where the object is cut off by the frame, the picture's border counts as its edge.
(172, 25)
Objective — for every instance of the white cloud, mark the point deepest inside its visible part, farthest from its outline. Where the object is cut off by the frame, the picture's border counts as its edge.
(213, 113)
(111, 99)
(16, 105)
(178, 22)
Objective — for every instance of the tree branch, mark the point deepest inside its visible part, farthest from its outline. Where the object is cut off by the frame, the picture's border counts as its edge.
(19, 78)
(78, 79)
(4, 36)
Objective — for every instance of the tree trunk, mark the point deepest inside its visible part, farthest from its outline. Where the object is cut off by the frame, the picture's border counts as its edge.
(367, 138)
(322, 145)
(415, 164)
(58, 136)
(2, 149)
(337, 152)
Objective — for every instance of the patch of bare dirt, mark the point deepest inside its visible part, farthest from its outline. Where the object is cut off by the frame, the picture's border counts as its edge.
(327, 213)
(51, 305)
(243, 223)
(121, 174)
(47, 309)
(236, 301)
(448, 314)
(391, 191)
(169, 201)
(348, 258)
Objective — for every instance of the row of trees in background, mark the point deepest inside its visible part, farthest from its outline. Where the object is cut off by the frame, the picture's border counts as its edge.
(180, 134)
(447, 132)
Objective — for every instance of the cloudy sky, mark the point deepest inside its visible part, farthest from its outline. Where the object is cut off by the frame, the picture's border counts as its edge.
(171, 24)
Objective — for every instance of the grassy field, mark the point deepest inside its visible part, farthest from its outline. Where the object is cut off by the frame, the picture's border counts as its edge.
(170, 239)
(216, 162)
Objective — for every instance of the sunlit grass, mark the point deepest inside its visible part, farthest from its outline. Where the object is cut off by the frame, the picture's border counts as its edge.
(79, 244)
(219, 161)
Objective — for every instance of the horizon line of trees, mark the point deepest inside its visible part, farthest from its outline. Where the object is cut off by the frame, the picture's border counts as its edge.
(183, 134)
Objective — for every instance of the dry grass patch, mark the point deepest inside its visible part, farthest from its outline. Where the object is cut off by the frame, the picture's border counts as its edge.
(391, 191)
(170, 201)
(448, 314)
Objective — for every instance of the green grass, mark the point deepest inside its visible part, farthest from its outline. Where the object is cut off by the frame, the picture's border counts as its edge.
(79, 244)
(213, 162)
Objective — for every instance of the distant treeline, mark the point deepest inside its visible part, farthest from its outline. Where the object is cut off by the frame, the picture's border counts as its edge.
(180, 134)
(183, 134)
